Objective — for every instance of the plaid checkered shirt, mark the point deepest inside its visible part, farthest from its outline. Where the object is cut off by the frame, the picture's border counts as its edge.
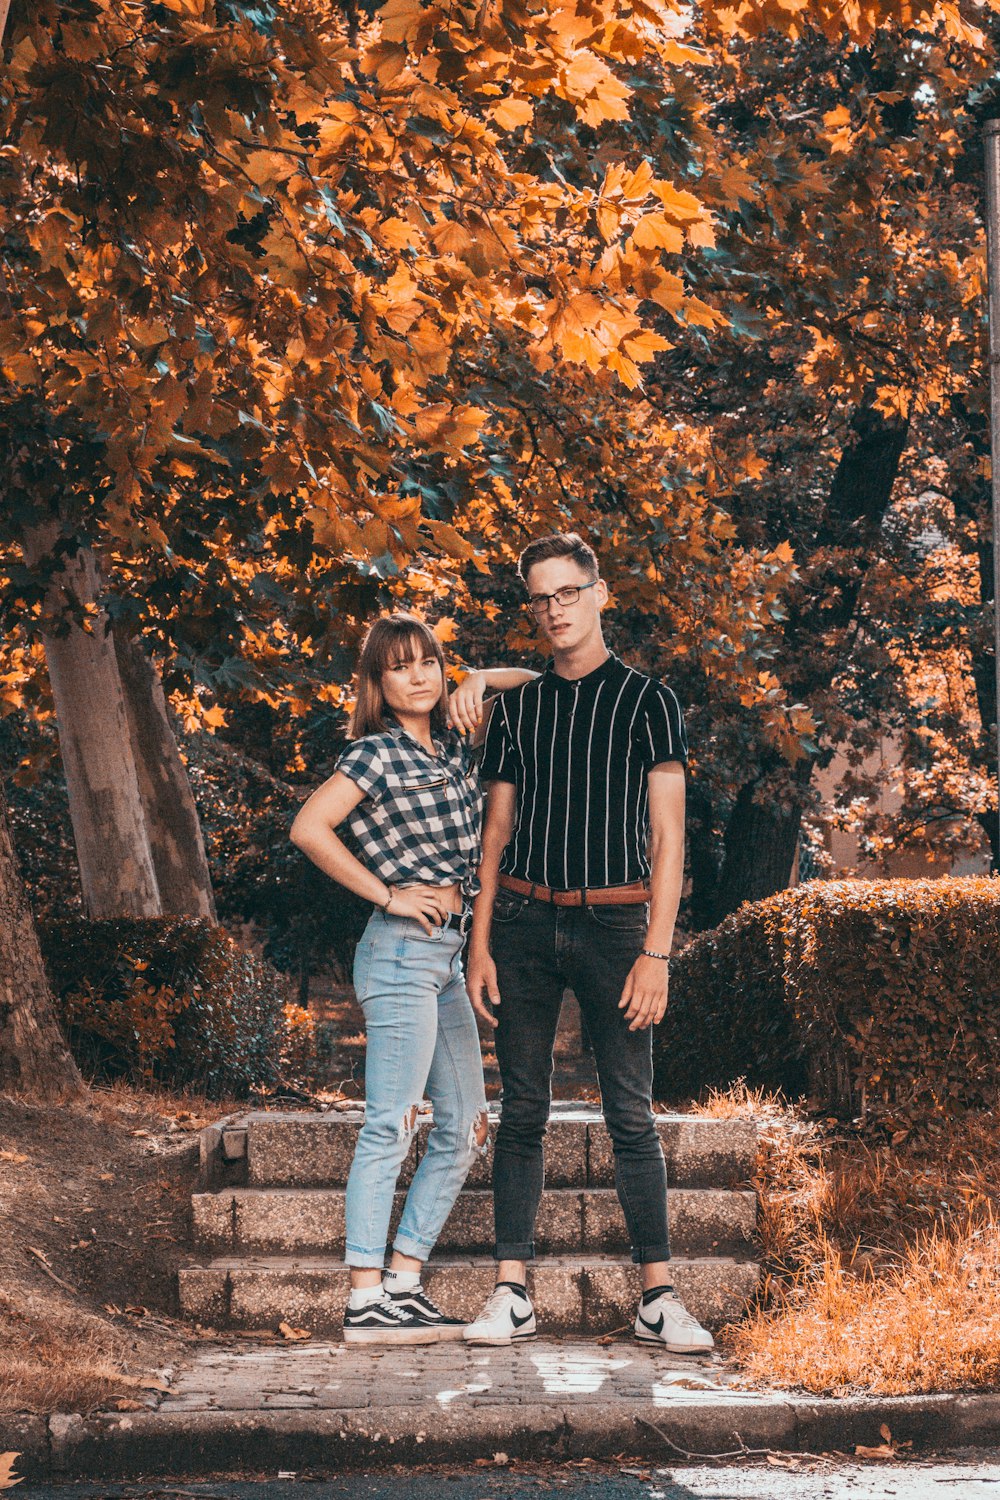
(421, 817)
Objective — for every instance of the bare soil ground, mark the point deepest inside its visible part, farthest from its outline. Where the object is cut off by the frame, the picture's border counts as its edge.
(94, 1212)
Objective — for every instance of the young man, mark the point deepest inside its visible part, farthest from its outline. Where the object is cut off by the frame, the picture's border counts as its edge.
(584, 827)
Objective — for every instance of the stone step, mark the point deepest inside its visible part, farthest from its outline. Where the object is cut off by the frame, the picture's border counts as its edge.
(703, 1221)
(571, 1294)
(315, 1150)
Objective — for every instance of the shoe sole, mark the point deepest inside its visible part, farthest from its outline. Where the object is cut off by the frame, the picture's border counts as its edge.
(499, 1343)
(450, 1332)
(404, 1336)
(641, 1338)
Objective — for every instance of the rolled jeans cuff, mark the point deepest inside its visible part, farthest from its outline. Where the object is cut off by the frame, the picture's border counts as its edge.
(514, 1250)
(404, 1244)
(364, 1260)
(645, 1255)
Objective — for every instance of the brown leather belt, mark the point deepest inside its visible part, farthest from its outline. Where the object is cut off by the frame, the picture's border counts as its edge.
(602, 895)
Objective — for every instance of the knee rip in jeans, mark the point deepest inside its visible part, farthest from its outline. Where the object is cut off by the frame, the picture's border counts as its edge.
(479, 1133)
(408, 1124)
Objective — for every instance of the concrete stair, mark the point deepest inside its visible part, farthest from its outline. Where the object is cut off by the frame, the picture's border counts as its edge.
(269, 1220)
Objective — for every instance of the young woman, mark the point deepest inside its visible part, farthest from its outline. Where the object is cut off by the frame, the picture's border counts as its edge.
(408, 789)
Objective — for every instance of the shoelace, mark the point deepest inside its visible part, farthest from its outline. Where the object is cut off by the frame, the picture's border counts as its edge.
(494, 1302)
(385, 1304)
(680, 1313)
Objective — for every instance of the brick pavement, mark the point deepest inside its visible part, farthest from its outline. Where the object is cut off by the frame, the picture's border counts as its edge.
(319, 1408)
(328, 1376)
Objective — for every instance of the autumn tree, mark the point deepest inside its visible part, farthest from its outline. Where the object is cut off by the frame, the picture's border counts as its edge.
(34, 1056)
(321, 308)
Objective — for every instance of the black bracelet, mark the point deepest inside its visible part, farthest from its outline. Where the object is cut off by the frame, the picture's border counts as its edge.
(648, 953)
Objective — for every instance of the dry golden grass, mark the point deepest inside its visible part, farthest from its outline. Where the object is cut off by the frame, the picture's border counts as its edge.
(742, 1103)
(928, 1323)
(881, 1260)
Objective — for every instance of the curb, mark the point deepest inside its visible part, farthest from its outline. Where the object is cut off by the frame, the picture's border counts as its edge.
(209, 1443)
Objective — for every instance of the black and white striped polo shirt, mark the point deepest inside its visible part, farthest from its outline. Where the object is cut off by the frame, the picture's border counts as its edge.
(579, 753)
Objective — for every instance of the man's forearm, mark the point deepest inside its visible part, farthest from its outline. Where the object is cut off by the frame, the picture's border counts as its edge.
(665, 882)
(497, 830)
(482, 906)
(666, 853)
(499, 679)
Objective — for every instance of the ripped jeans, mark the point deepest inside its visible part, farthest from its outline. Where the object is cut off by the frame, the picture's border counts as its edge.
(421, 1037)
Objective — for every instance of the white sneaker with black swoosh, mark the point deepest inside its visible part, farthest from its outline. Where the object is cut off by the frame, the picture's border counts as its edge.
(507, 1317)
(664, 1320)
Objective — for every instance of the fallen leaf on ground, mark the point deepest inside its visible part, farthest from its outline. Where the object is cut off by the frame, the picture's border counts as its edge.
(883, 1451)
(885, 1434)
(126, 1403)
(8, 1478)
(293, 1335)
(143, 1382)
(137, 1311)
(13, 1156)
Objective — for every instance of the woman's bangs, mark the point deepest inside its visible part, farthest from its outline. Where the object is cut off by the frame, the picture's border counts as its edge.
(407, 644)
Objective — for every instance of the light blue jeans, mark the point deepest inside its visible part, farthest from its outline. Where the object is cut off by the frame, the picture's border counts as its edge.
(421, 1037)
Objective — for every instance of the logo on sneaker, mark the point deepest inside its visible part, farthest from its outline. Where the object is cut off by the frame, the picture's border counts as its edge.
(656, 1327)
(520, 1322)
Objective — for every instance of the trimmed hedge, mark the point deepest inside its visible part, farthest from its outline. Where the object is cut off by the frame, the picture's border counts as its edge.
(878, 998)
(173, 1000)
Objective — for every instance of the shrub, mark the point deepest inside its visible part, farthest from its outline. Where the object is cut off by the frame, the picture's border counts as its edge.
(166, 999)
(307, 1049)
(880, 998)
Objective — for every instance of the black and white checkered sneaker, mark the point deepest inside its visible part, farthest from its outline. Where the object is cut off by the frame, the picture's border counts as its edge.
(384, 1322)
(420, 1305)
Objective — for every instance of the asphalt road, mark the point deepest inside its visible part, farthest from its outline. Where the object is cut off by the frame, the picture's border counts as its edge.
(803, 1479)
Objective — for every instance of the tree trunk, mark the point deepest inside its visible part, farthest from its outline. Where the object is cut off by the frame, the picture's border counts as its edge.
(761, 840)
(172, 824)
(117, 877)
(34, 1057)
(984, 676)
(761, 837)
(972, 502)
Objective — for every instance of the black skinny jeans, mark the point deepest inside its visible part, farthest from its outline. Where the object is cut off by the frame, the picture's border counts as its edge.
(539, 950)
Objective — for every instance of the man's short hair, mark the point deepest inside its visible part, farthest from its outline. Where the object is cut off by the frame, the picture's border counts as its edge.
(559, 544)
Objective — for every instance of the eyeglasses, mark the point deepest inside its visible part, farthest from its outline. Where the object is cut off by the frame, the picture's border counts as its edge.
(539, 603)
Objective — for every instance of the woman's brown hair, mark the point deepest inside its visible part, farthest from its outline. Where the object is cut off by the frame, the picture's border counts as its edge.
(391, 640)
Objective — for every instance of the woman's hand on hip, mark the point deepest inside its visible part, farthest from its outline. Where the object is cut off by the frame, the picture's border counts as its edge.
(424, 903)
